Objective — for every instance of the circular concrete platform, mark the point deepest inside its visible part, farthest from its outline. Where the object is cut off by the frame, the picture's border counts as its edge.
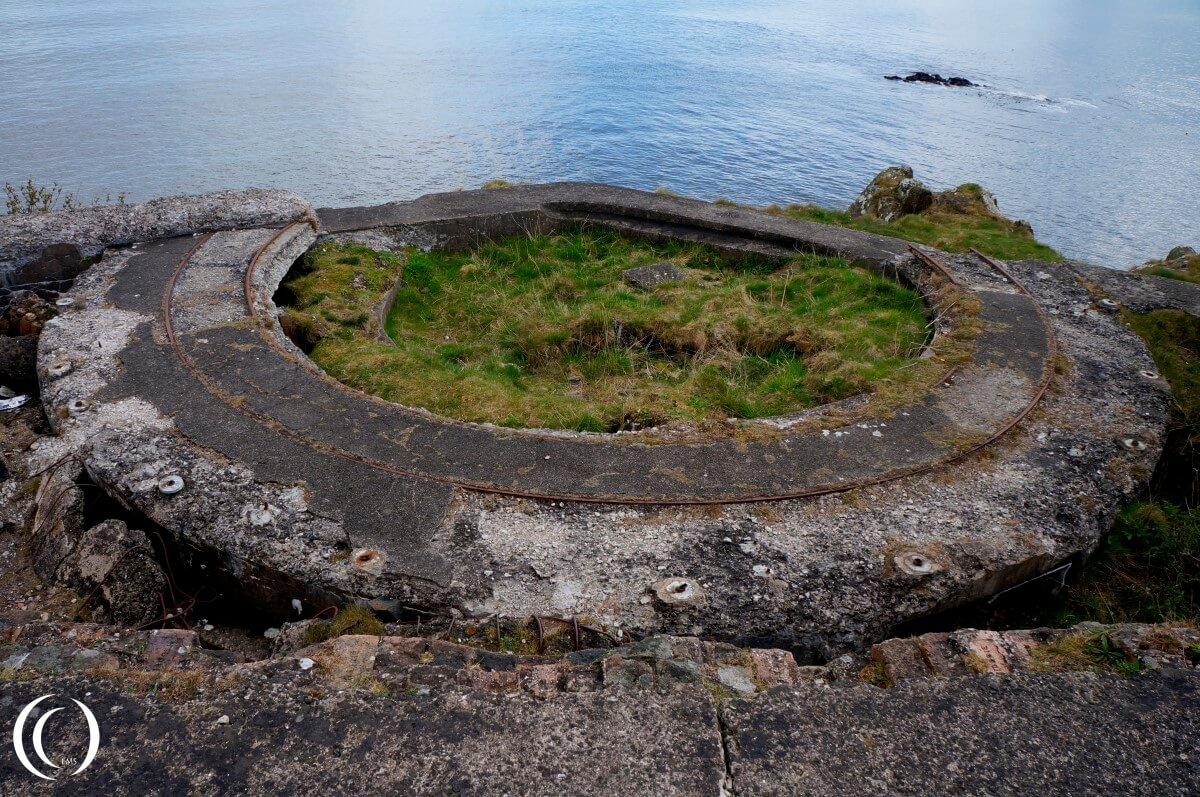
(171, 379)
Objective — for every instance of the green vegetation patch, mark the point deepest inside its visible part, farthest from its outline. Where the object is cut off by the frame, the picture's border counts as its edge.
(543, 332)
(1185, 269)
(351, 620)
(942, 229)
(1097, 651)
(1148, 567)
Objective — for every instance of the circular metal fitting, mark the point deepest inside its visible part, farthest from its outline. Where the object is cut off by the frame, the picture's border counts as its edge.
(59, 368)
(78, 405)
(1133, 444)
(678, 591)
(1150, 374)
(63, 302)
(169, 485)
(916, 564)
(1109, 304)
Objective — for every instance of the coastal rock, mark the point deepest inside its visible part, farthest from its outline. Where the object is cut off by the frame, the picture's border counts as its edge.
(971, 199)
(934, 78)
(1180, 253)
(968, 198)
(892, 194)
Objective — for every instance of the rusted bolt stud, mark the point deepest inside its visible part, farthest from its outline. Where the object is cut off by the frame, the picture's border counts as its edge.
(169, 485)
(368, 560)
(916, 564)
(678, 591)
(78, 405)
(59, 368)
(1133, 444)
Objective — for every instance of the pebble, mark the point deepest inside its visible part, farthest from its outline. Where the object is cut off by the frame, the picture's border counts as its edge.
(306, 664)
(223, 719)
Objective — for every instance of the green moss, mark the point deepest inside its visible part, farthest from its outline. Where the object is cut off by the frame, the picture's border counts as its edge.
(542, 331)
(719, 692)
(1097, 652)
(875, 674)
(352, 620)
(950, 232)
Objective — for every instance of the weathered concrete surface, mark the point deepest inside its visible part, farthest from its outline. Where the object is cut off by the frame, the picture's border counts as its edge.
(370, 715)
(461, 219)
(24, 236)
(1076, 734)
(303, 488)
(276, 740)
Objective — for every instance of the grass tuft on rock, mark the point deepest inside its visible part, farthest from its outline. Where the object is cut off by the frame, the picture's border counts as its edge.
(351, 620)
(1073, 652)
(543, 332)
(943, 229)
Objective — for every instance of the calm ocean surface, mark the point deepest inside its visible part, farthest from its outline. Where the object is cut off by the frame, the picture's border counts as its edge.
(1089, 127)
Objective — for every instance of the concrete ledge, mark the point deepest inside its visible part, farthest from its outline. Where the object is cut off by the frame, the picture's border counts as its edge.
(23, 237)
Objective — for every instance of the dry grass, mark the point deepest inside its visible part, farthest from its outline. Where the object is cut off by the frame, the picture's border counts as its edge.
(542, 332)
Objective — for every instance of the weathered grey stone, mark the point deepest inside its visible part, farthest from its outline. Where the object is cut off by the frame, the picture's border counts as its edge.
(653, 275)
(1077, 733)
(892, 194)
(116, 564)
(23, 237)
(739, 679)
(280, 740)
(57, 264)
(1180, 253)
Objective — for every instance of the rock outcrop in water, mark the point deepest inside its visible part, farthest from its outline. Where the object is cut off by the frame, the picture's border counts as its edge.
(936, 79)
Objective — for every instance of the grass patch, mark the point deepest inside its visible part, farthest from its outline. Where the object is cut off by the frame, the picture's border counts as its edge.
(1075, 652)
(352, 620)
(1187, 271)
(542, 332)
(1148, 568)
(950, 232)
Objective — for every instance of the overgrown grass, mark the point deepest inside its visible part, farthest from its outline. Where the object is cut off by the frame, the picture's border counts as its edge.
(950, 232)
(1073, 652)
(1146, 571)
(1148, 568)
(1188, 272)
(543, 332)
